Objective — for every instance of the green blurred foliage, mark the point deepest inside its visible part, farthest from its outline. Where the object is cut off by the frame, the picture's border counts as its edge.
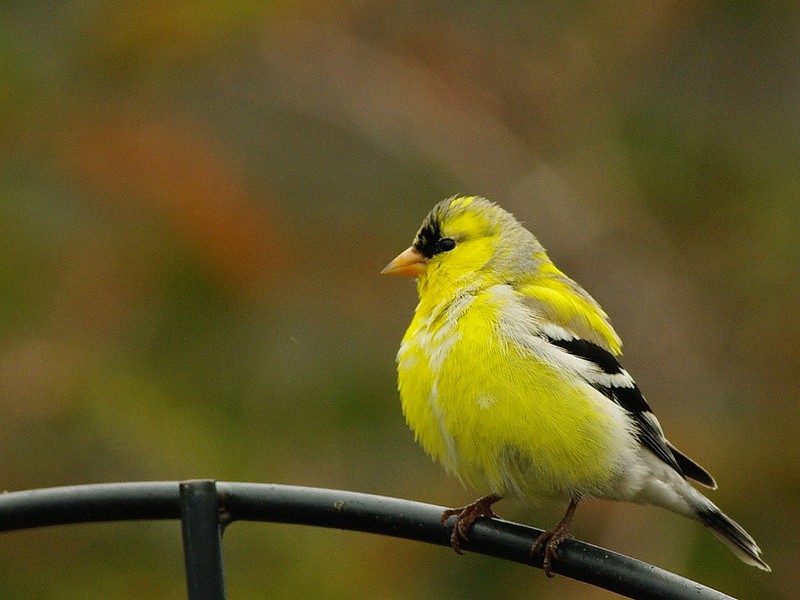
(196, 200)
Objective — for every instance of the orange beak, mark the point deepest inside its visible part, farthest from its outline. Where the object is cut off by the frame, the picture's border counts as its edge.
(409, 263)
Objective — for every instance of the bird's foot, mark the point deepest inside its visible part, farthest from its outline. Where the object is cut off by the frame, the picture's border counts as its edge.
(550, 541)
(552, 538)
(466, 516)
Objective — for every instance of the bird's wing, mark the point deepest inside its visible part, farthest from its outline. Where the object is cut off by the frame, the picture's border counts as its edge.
(561, 301)
(691, 469)
(573, 321)
(604, 373)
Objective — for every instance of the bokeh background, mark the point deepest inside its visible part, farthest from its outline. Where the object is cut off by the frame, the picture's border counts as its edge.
(196, 200)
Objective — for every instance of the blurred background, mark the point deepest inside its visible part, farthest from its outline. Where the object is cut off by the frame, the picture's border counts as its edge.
(196, 200)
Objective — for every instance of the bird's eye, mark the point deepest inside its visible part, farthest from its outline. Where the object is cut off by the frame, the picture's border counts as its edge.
(446, 244)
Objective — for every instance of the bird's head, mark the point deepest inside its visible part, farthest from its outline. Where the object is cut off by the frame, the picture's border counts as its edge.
(467, 240)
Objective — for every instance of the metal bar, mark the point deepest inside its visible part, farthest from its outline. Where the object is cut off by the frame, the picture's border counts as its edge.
(494, 537)
(202, 540)
(330, 508)
(89, 504)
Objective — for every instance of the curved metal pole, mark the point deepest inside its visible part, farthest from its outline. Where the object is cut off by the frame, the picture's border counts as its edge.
(344, 510)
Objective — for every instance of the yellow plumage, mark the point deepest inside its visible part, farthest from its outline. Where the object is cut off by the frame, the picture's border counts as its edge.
(493, 416)
(508, 377)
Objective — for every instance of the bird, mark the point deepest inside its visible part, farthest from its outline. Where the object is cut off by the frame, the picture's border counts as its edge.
(509, 376)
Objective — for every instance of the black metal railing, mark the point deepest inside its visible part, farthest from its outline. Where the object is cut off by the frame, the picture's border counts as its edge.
(206, 507)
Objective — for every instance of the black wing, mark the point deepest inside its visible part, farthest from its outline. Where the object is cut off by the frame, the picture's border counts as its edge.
(691, 469)
(619, 387)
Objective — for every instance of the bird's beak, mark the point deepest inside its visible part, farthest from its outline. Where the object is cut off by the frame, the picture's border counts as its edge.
(409, 263)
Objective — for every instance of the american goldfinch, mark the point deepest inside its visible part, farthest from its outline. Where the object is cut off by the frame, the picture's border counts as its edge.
(508, 376)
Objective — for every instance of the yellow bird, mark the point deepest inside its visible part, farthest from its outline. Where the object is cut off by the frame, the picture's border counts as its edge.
(508, 376)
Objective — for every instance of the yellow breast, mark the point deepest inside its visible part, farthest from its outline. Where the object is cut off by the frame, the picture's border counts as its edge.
(493, 412)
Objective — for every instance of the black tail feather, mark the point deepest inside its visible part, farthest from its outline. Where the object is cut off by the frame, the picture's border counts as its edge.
(730, 533)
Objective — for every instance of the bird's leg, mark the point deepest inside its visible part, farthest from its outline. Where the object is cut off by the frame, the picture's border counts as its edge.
(466, 516)
(551, 538)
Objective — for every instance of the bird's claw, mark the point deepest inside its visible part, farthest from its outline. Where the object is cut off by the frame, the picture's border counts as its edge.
(465, 517)
(552, 538)
(550, 541)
